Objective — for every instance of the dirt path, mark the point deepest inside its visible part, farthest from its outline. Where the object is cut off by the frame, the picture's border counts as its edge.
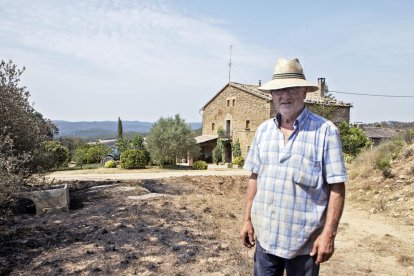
(139, 174)
(371, 244)
(190, 229)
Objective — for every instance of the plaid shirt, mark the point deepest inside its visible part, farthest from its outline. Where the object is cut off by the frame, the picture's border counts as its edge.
(288, 211)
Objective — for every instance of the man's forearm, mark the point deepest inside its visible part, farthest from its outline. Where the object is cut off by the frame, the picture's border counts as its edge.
(335, 208)
(251, 192)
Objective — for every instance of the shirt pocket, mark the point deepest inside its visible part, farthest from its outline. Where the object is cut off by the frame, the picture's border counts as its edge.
(307, 172)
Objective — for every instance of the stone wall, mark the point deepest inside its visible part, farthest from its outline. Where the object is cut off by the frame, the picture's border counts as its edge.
(244, 111)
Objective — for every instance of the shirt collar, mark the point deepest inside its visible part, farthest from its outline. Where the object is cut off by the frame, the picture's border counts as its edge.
(299, 120)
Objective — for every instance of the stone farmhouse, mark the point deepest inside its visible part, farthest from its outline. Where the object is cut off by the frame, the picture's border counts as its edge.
(240, 108)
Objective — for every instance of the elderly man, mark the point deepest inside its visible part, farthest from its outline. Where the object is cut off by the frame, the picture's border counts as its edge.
(296, 190)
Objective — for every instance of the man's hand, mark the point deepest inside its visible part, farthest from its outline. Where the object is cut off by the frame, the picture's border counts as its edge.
(247, 234)
(323, 247)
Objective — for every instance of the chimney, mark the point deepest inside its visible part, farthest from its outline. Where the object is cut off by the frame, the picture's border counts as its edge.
(260, 82)
(321, 87)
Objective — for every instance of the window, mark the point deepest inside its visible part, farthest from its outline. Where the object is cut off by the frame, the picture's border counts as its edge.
(212, 126)
(228, 103)
(247, 124)
(234, 102)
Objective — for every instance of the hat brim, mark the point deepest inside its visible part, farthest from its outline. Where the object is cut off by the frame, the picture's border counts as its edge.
(287, 83)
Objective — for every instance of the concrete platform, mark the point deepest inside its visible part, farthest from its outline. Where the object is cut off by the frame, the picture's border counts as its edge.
(50, 200)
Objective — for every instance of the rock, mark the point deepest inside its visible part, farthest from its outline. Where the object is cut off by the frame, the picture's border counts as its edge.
(400, 181)
(182, 243)
(373, 211)
(224, 246)
(110, 247)
(387, 186)
(402, 176)
(153, 239)
(152, 259)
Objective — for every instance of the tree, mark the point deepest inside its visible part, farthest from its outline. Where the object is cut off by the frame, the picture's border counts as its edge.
(218, 151)
(53, 154)
(20, 121)
(95, 153)
(171, 138)
(80, 155)
(353, 139)
(236, 149)
(22, 131)
(71, 143)
(136, 142)
(120, 128)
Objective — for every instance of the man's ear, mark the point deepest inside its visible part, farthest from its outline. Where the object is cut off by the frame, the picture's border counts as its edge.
(304, 91)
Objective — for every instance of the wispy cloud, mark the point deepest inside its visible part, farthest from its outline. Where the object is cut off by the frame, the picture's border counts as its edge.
(146, 44)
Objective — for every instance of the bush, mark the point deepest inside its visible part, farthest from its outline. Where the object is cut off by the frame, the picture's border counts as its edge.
(95, 153)
(354, 140)
(217, 154)
(239, 161)
(134, 159)
(200, 165)
(52, 154)
(110, 164)
(348, 158)
(235, 147)
(383, 162)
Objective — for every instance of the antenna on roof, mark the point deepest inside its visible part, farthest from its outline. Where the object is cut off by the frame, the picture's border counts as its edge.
(231, 47)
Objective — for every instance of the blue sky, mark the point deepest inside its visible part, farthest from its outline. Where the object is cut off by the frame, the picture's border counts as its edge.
(99, 59)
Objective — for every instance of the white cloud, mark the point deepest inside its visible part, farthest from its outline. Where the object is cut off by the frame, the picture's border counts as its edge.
(145, 48)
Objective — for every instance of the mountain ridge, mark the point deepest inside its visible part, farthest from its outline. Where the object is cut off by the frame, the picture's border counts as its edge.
(105, 129)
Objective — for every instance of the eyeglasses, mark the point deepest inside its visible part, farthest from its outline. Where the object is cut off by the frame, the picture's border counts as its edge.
(290, 90)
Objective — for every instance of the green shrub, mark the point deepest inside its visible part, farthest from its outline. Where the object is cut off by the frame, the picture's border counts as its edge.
(200, 165)
(408, 136)
(95, 153)
(348, 158)
(239, 161)
(354, 140)
(217, 154)
(383, 162)
(110, 164)
(235, 148)
(134, 159)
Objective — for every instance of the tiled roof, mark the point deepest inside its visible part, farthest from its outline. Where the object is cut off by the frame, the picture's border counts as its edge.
(204, 138)
(252, 89)
(311, 97)
(378, 132)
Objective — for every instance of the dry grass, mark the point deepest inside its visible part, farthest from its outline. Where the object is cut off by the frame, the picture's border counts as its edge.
(364, 165)
(405, 260)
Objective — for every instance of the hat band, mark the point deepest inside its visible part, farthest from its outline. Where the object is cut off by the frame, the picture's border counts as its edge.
(289, 76)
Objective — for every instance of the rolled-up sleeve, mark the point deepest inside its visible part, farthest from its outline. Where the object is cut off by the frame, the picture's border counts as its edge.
(334, 169)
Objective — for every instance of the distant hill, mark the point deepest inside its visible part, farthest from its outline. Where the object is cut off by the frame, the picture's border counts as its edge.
(105, 129)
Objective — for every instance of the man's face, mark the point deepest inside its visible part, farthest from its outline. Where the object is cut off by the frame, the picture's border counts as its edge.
(289, 101)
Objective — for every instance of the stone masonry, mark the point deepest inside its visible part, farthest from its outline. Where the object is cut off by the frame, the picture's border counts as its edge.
(240, 108)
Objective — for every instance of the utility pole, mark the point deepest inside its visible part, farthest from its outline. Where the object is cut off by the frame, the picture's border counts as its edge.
(231, 47)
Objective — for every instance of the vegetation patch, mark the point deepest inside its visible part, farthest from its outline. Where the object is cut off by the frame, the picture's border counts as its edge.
(200, 165)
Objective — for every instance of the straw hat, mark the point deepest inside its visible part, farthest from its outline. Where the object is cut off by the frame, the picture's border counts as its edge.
(287, 73)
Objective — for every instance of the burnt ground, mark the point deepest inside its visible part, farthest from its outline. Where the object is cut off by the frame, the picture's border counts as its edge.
(107, 233)
(191, 228)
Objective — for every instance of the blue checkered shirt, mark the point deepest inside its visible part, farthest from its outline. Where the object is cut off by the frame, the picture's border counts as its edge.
(288, 211)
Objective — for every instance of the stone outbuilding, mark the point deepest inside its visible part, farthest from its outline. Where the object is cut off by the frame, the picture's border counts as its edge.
(379, 134)
(240, 108)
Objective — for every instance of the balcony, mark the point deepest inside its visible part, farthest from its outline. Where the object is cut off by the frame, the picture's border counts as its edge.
(228, 134)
